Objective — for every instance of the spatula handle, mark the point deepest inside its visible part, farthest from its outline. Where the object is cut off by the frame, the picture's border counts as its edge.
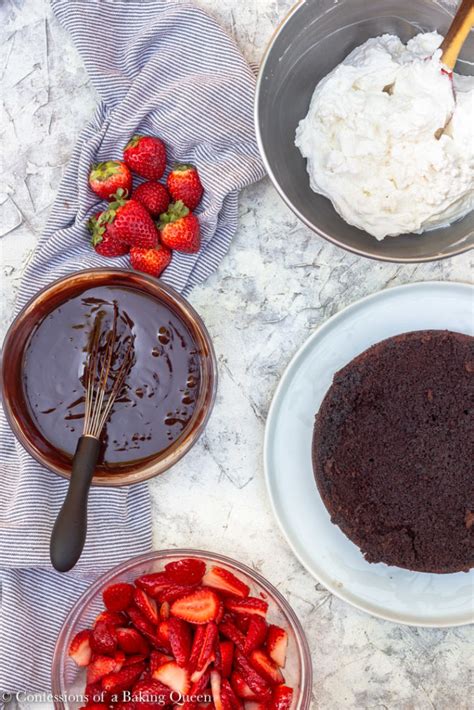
(70, 529)
(457, 33)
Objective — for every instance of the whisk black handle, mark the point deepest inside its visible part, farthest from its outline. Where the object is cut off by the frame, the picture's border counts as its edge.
(70, 529)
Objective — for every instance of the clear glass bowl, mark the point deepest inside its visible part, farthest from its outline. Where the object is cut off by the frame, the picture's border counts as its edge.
(69, 680)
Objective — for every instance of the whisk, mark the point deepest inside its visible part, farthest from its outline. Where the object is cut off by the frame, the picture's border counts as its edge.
(103, 381)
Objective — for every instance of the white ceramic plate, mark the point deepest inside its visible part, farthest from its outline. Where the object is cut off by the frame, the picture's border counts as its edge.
(415, 598)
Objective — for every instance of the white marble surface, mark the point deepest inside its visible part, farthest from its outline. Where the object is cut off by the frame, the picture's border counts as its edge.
(278, 282)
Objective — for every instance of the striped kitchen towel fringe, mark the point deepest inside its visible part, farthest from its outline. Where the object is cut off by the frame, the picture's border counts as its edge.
(160, 68)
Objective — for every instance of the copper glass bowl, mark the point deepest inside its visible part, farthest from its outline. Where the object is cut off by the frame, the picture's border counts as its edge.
(16, 342)
(68, 681)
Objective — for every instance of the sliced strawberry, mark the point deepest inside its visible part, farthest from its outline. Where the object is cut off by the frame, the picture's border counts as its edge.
(242, 622)
(174, 591)
(254, 680)
(80, 648)
(281, 699)
(228, 696)
(94, 693)
(112, 618)
(153, 583)
(125, 705)
(248, 606)
(242, 689)
(203, 650)
(228, 629)
(123, 679)
(226, 649)
(174, 677)
(277, 644)
(216, 691)
(256, 705)
(226, 582)
(179, 635)
(220, 613)
(131, 641)
(189, 570)
(142, 624)
(256, 634)
(163, 635)
(199, 607)
(102, 666)
(266, 667)
(200, 685)
(149, 694)
(133, 660)
(117, 597)
(103, 638)
(146, 605)
(165, 611)
(157, 659)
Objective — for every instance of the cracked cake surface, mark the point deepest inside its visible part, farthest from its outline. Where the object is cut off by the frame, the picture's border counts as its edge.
(393, 451)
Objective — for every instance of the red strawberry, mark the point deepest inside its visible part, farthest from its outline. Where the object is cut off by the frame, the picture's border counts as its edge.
(256, 705)
(277, 644)
(150, 261)
(256, 634)
(93, 693)
(146, 605)
(230, 631)
(157, 659)
(146, 156)
(104, 237)
(175, 591)
(226, 582)
(266, 667)
(228, 697)
(112, 618)
(150, 694)
(253, 679)
(117, 597)
(251, 605)
(173, 676)
(242, 689)
(203, 649)
(124, 705)
(154, 196)
(282, 697)
(199, 607)
(141, 623)
(163, 635)
(186, 571)
(123, 679)
(132, 223)
(103, 638)
(153, 583)
(216, 691)
(184, 184)
(133, 660)
(102, 666)
(95, 706)
(226, 649)
(130, 641)
(179, 635)
(179, 229)
(80, 648)
(108, 177)
(165, 611)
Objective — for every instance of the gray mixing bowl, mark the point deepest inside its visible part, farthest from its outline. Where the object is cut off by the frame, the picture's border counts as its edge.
(312, 40)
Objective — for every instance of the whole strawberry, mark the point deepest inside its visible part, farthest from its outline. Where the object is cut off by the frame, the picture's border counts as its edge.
(146, 156)
(106, 178)
(154, 196)
(179, 229)
(104, 237)
(150, 261)
(132, 223)
(184, 184)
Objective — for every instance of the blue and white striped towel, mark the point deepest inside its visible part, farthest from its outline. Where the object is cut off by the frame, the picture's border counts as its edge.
(160, 68)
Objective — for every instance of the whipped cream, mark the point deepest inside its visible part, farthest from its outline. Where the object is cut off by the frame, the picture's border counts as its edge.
(375, 154)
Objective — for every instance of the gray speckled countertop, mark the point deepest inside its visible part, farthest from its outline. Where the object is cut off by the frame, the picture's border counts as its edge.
(278, 282)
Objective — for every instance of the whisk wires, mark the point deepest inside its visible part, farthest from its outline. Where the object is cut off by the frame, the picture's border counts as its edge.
(103, 384)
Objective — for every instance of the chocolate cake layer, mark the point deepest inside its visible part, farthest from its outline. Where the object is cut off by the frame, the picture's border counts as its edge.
(393, 451)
